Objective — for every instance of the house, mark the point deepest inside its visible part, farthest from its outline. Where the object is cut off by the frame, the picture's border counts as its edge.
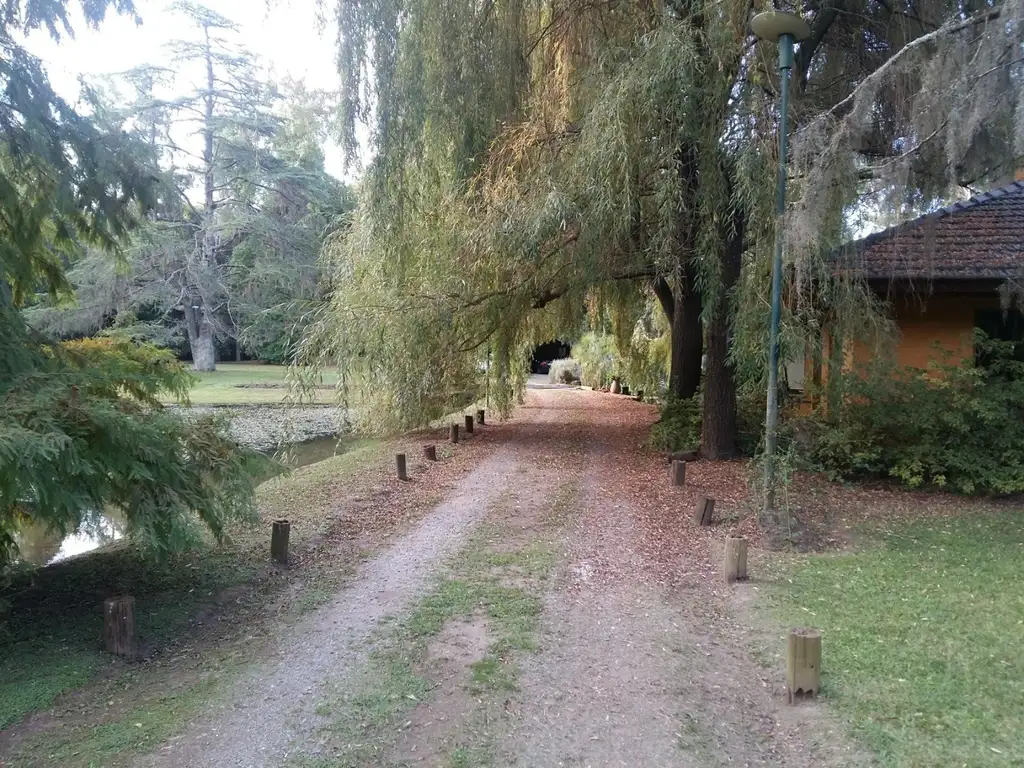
(943, 275)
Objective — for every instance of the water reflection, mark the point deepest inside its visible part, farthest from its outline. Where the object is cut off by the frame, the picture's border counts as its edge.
(41, 546)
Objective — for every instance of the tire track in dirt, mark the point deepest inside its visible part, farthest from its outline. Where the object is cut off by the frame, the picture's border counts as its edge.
(266, 717)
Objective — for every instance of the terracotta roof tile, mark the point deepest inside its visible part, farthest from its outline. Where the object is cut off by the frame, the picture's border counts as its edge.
(979, 238)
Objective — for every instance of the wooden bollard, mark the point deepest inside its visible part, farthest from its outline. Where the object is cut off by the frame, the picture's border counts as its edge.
(430, 452)
(453, 434)
(681, 456)
(469, 425)
(705, 509)
(639, 395)
(400, 466)
(803, 662)
(480, 417)
(279, 541)
(678, 473)
(735, 559)
(119, 627)
(625, 391)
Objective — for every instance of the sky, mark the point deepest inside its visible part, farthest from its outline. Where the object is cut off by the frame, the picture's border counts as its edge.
(286, 36)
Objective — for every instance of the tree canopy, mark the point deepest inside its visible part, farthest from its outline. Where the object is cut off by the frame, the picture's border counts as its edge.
(81, 427)
(540, 167)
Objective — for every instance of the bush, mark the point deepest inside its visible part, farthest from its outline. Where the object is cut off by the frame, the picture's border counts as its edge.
(678, 429)
(565, 371)
(951, 426)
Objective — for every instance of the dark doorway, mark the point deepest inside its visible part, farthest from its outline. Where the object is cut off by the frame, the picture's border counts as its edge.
(545, 353)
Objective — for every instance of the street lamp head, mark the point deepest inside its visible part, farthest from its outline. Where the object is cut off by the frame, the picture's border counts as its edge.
(772, 25)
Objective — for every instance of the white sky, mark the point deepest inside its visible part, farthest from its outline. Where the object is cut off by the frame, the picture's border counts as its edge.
(286, 36)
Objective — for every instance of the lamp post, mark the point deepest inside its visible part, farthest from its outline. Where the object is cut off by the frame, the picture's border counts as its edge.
(784, 28)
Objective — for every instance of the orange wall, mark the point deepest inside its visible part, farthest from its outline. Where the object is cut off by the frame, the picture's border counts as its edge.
(946, 319)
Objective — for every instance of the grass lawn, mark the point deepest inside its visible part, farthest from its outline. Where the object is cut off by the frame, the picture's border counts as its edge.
(251, 383)
(921, 639)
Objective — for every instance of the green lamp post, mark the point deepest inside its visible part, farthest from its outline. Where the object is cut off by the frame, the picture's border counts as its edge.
(785, 29)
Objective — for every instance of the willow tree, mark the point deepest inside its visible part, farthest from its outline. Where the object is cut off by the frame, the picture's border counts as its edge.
(635, 157)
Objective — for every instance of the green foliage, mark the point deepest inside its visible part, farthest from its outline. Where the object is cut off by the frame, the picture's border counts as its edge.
(957, 426)
(565, 371)
(82, 429)
(598, 358)
(922, 637)
(678, 429)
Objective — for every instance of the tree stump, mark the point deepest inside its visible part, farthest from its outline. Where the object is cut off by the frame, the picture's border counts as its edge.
(803, 662)
(678, 473)
(453, 434)
(279, 541)
(119, 627)
(469, 425)
(430, 452)
(705, 509)
(735, 559)
(400, 466)
(480, 417)
(681, 456)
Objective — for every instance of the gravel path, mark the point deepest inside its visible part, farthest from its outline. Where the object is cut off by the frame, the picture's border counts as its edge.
(271, 711)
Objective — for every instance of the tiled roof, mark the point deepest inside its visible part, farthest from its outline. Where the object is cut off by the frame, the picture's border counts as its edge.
(979, 238)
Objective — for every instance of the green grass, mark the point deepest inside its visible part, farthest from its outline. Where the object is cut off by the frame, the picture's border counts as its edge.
(251, 384)
(921, 639)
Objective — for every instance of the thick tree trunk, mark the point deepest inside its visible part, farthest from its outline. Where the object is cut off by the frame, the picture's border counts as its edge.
(718, 434)
(687, 338)
(200, 336)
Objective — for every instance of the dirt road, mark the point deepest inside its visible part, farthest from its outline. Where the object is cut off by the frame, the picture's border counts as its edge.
(585, 625)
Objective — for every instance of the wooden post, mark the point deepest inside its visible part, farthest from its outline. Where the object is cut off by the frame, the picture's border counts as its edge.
(625, 390)
(678, 473)
(803, 662)
(469, 425)
(681, 456)
(735, 559)
(480, 417)
(453, 435)
(279, 541)
(639, 395)
(119, 627)
(430, 452)
(705, 509)
(400, 466)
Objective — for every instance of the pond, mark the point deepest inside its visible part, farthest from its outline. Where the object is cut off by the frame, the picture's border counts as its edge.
(40, 546)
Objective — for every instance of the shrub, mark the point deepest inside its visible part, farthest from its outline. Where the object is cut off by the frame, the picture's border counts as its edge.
(678, 429)
(953, 426)
(564, 371)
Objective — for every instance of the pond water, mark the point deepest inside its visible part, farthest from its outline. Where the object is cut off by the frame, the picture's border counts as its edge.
(40, 546)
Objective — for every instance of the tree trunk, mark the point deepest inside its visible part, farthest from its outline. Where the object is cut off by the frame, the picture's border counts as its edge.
(200, 336)
(687, 338)
(718, 435)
